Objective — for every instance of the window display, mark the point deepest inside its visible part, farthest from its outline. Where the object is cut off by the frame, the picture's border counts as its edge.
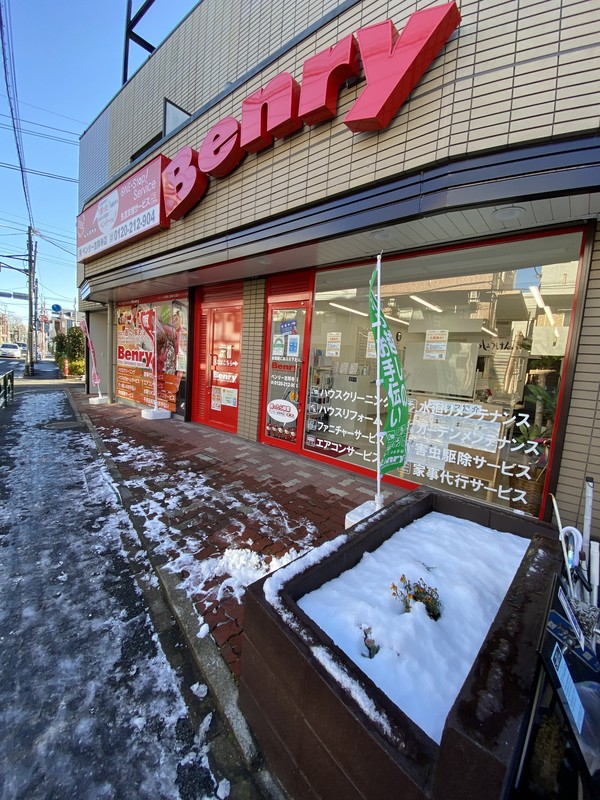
(135, 369)
(481, 334)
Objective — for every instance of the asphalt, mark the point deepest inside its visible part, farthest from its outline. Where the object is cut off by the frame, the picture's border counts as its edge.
(262, 499)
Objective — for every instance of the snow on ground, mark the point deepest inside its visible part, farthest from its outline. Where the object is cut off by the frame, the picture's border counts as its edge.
(225, 574)
(421, 664)
(89, 705)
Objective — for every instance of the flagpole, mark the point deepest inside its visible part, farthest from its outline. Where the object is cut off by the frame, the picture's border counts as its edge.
(378, 496)
(148, 321)
(155, 368)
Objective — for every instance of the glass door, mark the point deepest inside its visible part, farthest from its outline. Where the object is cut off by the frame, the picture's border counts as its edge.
(283, 415)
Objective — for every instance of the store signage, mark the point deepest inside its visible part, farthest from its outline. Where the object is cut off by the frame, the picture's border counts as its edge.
(391, 376)
(133, 210)
(141, 358)
(393, 64)
(282, 411)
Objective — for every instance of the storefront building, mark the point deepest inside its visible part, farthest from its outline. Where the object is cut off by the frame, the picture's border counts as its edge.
(458, 142)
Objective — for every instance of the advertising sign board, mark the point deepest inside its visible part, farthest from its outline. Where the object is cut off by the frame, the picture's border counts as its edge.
(132, 210)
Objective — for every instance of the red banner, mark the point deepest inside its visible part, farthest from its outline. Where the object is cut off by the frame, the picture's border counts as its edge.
(95, 376)
(133, 210)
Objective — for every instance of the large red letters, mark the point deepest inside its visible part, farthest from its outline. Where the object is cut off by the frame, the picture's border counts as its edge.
(393, 63)
(322, 77)
(271, 111)
(183, 184)
(393, 69)
(221, 152)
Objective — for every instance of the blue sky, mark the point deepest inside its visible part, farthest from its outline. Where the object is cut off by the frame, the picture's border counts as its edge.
(68, 62)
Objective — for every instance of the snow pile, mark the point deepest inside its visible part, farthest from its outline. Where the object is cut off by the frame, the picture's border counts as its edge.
(235, 569)
(421, 664)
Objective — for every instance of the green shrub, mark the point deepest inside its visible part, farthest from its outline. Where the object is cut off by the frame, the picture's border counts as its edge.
(75, 349)
(70, 345)
(60, 346)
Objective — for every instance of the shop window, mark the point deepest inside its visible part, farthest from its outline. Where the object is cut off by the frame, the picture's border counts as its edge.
(481, 334)
(147, 147)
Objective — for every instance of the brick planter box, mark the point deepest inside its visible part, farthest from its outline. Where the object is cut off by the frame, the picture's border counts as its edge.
(316, 738)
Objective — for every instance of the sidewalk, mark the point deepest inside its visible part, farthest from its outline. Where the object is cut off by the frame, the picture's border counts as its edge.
(251, 497)
(215, 512)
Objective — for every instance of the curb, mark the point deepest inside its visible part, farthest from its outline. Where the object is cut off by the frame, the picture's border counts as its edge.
(204, 650)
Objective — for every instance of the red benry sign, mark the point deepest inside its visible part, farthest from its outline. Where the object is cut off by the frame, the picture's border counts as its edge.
(393, 65)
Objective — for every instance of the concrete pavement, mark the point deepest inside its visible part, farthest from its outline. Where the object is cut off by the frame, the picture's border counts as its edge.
(89, 705)
(214, 512)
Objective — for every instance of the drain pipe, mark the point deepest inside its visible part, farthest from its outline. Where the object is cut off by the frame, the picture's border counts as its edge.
(594, 570)
(587, 517)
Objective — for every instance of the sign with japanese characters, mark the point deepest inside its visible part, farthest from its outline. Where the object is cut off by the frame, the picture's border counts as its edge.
(133, 210)
(142, 361)
(282, 410)
(390, 374)
(334, 344)
(436, 345)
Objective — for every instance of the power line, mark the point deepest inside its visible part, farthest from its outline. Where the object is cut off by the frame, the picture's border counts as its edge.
(43, 258)
(8, 62)
(54, 113)
(45, 226)
(46, 136)
(56, 244)
(40, 125)
(37, 172)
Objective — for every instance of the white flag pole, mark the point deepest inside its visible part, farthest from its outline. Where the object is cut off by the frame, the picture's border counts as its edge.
(155, 367)
(378, 496)
(156, 412)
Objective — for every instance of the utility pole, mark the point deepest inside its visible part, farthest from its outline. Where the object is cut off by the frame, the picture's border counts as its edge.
(36, 317)
(29, 370)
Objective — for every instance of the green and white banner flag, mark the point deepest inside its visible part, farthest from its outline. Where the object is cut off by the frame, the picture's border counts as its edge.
(390, 375)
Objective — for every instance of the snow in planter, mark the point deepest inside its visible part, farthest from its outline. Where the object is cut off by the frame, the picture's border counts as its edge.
(421, 663)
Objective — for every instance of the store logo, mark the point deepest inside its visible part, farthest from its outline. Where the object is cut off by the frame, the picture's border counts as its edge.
(132, 356)
(393, 65)
(282, 411)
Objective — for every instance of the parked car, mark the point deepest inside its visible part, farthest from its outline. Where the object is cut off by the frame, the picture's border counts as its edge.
(10, 350)
(23, 346)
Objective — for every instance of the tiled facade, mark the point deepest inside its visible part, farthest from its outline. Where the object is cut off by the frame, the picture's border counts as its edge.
(252, 347)
(505, 78)
(512, 74)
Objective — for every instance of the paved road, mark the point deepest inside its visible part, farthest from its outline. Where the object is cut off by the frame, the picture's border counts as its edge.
(89, 705)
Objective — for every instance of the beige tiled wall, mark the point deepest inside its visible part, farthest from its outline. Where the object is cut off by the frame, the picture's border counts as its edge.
(251, 365)
(581, 455)
(216, 44)
(518, 71)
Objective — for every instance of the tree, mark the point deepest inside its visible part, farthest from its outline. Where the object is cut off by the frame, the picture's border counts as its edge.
(70, 347)
(75, 345)
(60, 345)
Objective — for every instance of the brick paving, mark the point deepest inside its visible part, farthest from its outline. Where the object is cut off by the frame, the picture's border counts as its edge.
(261, 498)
